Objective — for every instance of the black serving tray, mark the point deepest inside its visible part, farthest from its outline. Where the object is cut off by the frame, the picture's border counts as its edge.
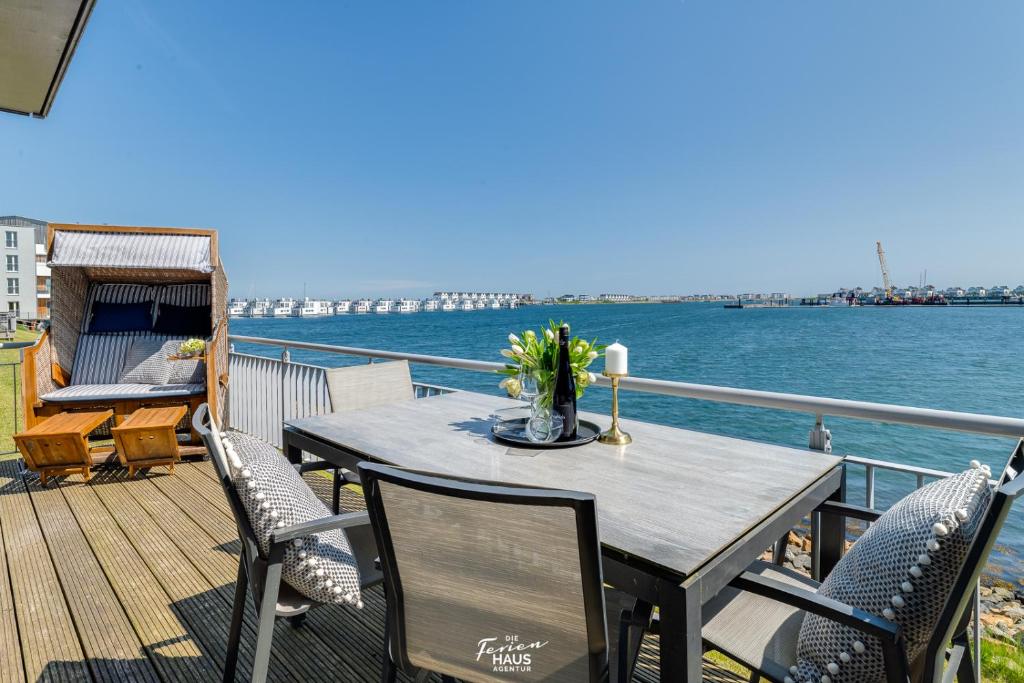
(514, 432)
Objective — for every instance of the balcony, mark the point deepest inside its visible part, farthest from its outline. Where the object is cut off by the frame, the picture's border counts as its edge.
(132, 578)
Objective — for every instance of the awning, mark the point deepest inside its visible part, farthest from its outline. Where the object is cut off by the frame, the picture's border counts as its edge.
(37, 40)
(150, 251)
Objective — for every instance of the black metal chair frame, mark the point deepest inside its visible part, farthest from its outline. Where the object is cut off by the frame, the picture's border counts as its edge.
(955, 615)
(261, 574)
(632, 621)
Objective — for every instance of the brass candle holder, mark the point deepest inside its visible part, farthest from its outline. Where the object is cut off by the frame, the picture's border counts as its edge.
(615, 436)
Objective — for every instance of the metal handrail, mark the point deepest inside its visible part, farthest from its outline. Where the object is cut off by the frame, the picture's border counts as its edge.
(976, 423)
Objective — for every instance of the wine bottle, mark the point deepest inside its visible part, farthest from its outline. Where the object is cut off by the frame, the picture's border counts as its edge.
(563, 401)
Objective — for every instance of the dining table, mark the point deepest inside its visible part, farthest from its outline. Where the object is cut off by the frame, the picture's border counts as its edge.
(681, 513)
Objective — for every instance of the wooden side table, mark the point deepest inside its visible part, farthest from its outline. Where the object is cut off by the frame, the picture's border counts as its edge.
(147, 438)
(58, 444)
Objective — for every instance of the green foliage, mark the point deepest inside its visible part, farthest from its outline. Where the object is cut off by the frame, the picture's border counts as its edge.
(536, 355)
(1002, 661)
(192, 346)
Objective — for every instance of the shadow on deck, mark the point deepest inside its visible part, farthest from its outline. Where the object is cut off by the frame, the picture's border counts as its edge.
(132, 580)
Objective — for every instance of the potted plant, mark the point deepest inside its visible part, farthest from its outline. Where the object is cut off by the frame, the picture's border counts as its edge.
(192, 348)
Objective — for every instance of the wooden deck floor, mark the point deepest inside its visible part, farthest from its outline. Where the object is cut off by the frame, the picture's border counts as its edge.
(132, 580)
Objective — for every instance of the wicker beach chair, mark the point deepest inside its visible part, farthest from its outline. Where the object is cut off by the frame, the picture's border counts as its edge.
(100, 272)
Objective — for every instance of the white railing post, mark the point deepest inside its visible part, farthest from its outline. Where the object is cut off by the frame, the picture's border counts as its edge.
(819, 438)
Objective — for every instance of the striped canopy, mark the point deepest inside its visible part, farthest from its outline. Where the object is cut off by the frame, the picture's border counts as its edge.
(134, 250)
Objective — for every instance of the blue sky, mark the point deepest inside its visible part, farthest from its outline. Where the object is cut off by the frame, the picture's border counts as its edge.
(654, 147)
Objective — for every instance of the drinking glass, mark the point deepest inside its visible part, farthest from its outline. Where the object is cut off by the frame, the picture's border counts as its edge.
(544, 425)
(528, 388)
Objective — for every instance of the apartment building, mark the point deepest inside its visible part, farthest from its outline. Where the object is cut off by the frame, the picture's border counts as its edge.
(25, 278)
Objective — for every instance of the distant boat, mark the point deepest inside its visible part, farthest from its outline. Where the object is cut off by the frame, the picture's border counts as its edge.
(284, 308)
(384, 306)
(315, 308)
(431, 304)
(363, 306)
(448, 305)
(342, 307)
(258, 308)
(237, 308)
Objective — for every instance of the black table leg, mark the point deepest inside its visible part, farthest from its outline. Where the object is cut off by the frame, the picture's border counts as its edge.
(292, 452)
(679, 630)
(829, 537)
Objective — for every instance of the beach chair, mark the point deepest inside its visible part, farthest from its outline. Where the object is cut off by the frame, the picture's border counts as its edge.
(106, 280)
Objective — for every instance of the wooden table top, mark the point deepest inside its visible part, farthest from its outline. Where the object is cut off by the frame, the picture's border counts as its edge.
(674, 497)
(69, 423)
(166, 416)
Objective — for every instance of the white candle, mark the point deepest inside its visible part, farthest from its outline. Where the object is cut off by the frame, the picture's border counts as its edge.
(616, 359)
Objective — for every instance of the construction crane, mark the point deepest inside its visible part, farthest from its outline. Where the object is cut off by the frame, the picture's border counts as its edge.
(886, 282)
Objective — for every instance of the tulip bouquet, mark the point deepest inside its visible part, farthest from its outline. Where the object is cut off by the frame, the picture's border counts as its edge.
(534, 357)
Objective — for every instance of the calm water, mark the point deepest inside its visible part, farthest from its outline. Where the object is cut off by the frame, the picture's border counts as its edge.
(952, 358)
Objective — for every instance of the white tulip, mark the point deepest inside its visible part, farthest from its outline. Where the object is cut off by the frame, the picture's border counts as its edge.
(548, 334)
(593, 377)
(508, 353)
(578, 350)
(530, 334)
(517, 349)
(592, 355)
(513, 339)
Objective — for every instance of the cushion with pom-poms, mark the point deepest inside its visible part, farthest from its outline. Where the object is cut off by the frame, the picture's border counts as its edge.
(320, 566)
(903, 569)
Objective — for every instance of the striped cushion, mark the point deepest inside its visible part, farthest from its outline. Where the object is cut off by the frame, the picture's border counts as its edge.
(184, 295)
(122, 392)
(101, 358)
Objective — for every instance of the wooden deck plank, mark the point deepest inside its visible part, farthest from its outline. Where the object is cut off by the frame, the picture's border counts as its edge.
(358, 637)
(205, 486)
(172, 646)
(192, 596)
(113, 650)
(11, 667)
(168, 550)
(220, 567)
(50, 650)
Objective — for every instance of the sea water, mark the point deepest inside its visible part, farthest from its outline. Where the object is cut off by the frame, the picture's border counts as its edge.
(965, 359)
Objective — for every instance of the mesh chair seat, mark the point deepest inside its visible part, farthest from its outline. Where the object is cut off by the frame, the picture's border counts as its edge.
(757, 631)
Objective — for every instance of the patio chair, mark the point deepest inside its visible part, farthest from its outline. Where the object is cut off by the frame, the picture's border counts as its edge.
(355, 388)
(260, 573)
(494, 582)
(757, 620)
(120, 293)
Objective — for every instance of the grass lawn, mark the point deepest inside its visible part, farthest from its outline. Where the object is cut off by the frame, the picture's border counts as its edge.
(11, 419)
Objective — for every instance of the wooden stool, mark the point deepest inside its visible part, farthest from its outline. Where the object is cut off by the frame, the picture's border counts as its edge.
(147, 438)
(58, 444)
